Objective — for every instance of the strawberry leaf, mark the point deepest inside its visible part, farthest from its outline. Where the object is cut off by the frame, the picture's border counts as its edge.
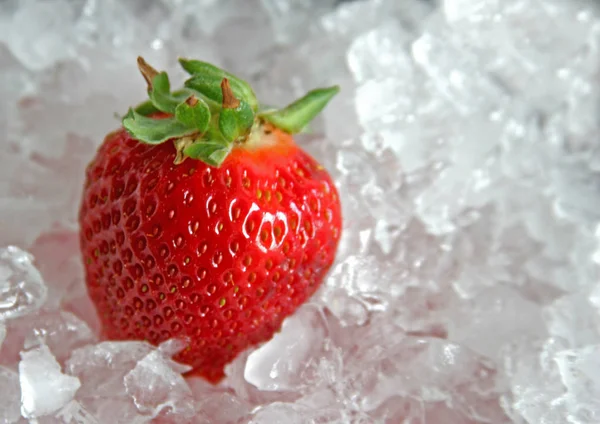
(195, 115)
(296, 116)
(154, 131)
(236, 123)
(160, 94)
(147, 108)
(208, 86)
(204, 74)
(212, 152)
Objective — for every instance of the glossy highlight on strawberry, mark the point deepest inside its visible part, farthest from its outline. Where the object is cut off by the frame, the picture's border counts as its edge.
(178, 241)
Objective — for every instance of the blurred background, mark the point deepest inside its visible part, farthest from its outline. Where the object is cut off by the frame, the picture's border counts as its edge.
(465, 145)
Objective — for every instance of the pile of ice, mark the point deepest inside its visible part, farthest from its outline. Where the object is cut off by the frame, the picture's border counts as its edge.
(465, 143)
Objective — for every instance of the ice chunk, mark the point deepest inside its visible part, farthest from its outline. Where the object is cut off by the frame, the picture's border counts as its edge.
(284, 413)
(219, 405)
(44, 388)
(10, 396)
(101, 369)
(535, 387)
(41, 45)
(379, 53)
(114, 376)
(22, 289)
(60, 263)
(456, 75)
(573, 311)
(580, 373)
(74, 412)
(156, 387)
(289, 17)
(61, 331)
(495, 318)
(280, 363)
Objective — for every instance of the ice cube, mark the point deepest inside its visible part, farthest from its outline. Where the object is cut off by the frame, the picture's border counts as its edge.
(101, 368)
(580, 373)
(47, 41)
(155, 387)
(219, 404)
(10, 396)
(61, 331)
(457, 75)
(569, 312)
(74, 412)
(22, 289)
(44, 388)
(115, 376)
(495, 318)
(380, 52)
(276, 365)
(284, 413)
(290, 17)
(60, 264)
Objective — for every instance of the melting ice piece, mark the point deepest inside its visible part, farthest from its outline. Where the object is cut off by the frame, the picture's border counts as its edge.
(57, 18)
(61, 331)
(155, 386)
(580, 374)
(279, 364)
(44, 388)
(289, 413)
(130, 382)
(21, 287)
(10, 397)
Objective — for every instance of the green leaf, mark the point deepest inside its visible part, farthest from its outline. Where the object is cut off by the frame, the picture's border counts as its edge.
(146, 108)
(236, 122)
(294, 117)
(207, 86)
(204, 70)
(160, 94)
(154, 131)
(198, 67)
(212, 152)
(194, 116)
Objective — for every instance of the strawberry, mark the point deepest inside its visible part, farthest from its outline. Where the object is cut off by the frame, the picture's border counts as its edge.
(201, 218)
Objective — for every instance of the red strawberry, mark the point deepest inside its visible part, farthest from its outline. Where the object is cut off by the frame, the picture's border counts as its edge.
(202, 218)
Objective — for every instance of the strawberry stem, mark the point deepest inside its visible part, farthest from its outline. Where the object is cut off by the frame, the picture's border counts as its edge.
(214, 111)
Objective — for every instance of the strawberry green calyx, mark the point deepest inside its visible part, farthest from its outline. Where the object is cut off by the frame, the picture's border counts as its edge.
(214, 112)
(294, 117)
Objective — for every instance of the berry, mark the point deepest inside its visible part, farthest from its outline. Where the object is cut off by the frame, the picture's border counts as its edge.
(202, 219)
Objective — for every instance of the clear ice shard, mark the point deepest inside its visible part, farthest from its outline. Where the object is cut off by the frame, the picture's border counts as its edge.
(155, 386)
(44, 388)
(22, 289)
(10, 396)
(127, 381)
(300, 339)
(580, 374)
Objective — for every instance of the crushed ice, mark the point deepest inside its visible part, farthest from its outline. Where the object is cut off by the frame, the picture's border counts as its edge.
(466, 146)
